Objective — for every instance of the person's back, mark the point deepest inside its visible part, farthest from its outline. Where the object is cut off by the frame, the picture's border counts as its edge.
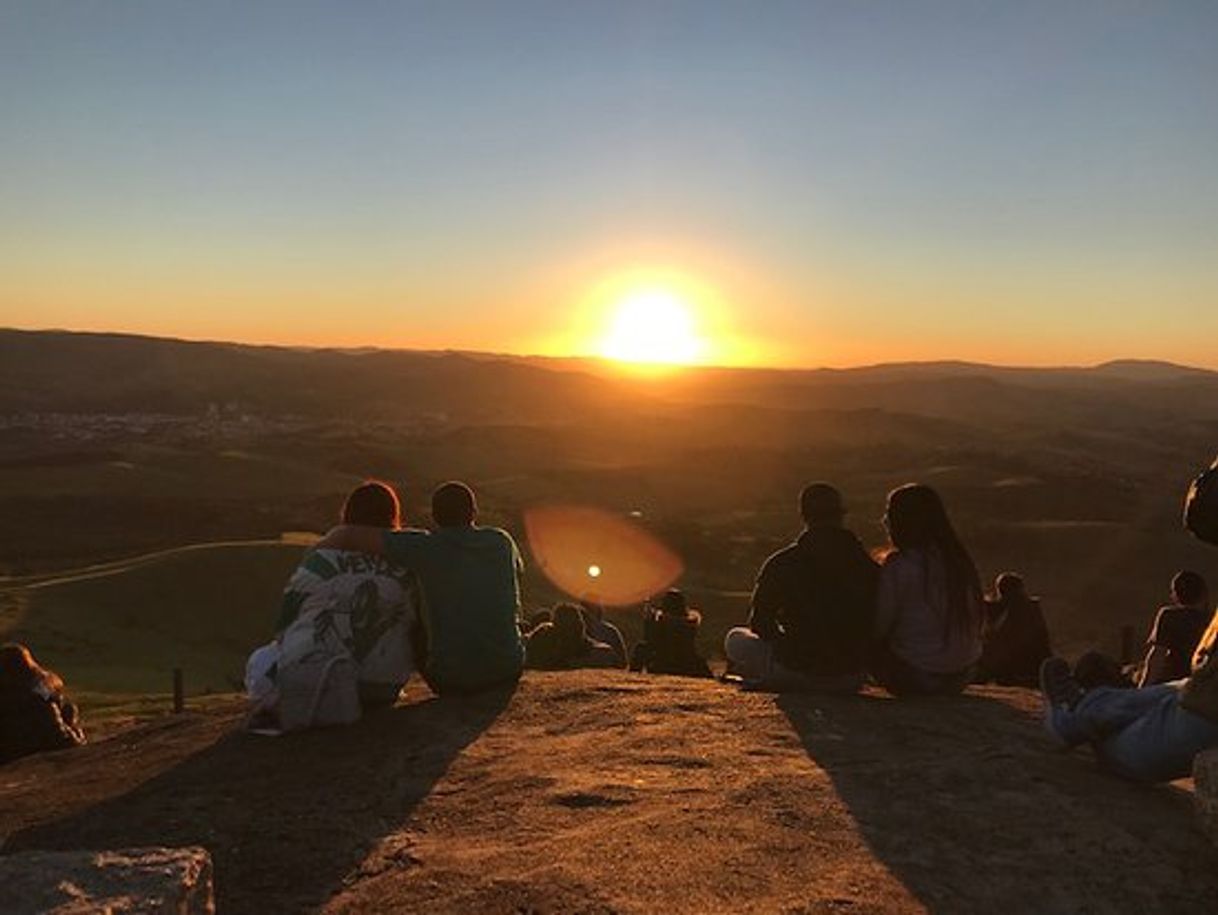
(1177, 631)
(815, 599)
(471, 593)
(471, 603)
(1016, 638)
(352, 604)
(35, 714)
(913, 596)
(669, 643)
(601, 630)
(564, 644)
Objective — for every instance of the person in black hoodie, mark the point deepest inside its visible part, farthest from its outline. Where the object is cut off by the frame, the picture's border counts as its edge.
(669, 643)
(35, 715)
(813, 606)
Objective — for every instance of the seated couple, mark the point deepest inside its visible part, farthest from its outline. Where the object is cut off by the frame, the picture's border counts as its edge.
(373, 602)
(825, 614)
(572, 637)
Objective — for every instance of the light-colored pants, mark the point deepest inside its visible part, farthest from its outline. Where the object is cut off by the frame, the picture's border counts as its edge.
(753, 658)
(1141, 734)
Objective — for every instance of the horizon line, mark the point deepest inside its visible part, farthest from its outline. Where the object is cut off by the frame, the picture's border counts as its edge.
(667, 368)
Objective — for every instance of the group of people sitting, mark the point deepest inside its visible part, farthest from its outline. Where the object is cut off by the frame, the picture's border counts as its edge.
(373, 602)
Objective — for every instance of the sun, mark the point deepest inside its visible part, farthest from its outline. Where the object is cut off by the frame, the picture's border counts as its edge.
(653, 326)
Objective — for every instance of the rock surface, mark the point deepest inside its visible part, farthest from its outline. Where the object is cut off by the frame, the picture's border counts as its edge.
(1205, 775)
(133, 880)
(597, 791)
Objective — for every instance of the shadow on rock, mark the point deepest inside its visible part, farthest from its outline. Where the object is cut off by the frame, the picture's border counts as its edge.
(286, 820)
(963, 800)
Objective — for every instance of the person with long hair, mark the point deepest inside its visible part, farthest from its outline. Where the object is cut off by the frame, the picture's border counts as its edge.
(35, 713)
(929, 608)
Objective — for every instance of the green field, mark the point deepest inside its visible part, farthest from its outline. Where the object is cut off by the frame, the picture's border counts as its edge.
(116, 632)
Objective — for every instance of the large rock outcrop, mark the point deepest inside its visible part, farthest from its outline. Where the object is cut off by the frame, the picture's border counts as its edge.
(134, 881)
(600, 791)
(1205, 778)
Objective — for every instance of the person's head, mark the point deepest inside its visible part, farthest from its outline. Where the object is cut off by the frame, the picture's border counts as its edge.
(453, 505)
(1189, 589)
(373, 504)
(569, 628)
(917, 520)
(673, 603)
(820, 503)
(19, 670)
(1010, 585)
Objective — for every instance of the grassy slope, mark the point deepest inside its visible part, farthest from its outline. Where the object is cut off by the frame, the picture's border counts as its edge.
(123, 629)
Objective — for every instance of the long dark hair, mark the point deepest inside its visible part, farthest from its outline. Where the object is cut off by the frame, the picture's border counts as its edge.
(19, 670)
(918, 520)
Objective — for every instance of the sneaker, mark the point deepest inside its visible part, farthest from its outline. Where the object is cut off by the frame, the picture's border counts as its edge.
(1061, 692)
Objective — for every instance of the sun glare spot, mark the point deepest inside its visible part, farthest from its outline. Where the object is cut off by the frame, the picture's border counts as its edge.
(594, 571)
(653, 326)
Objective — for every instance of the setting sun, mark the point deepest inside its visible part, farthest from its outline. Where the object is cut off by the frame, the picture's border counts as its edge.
(653, 326)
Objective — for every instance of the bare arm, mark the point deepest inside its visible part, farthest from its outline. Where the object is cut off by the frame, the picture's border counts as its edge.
(1154, 668)
(354, 537)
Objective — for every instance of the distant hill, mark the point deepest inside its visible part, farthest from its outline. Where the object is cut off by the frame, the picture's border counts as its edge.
(56, 371)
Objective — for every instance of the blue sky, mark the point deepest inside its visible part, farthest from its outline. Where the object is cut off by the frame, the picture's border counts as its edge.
(855, 181)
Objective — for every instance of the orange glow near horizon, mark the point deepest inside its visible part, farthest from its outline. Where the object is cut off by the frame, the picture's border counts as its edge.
(653, 326)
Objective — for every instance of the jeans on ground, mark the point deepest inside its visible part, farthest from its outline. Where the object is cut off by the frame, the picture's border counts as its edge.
(752, 657)
(1142, 734)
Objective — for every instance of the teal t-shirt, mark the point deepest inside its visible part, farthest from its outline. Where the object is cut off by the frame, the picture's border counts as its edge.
(471, 602)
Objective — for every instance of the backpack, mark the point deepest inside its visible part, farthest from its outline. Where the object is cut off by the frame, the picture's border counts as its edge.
(1201, 506)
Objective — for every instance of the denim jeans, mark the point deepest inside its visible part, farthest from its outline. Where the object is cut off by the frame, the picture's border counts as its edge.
(1142, 734)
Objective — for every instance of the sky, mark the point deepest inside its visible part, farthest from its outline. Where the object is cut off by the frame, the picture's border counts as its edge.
(814, 183)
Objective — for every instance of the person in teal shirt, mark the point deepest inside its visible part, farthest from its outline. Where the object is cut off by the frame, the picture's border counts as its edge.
(471, 591)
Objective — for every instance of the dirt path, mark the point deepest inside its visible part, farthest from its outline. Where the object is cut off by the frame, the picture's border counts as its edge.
(602, 792)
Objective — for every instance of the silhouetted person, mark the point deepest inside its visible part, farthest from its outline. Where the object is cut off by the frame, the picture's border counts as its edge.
(470, 583)
(35, 713)
(1177, 630)
(929, 613)
(813, 606)
(601, 630)
(1015, 635)
(670, 637)
(564, 644)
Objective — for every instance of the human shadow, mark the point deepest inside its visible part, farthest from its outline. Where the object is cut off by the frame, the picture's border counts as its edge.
(287, 819)
(965, 803)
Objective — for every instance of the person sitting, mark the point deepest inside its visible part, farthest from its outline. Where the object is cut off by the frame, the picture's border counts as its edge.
(1149, 734)
(928, 618)
(342, 605)
(1177, 630)
(1016, 639)
(813, 606)
(669, 643)
(564, 644)
(35, 713)
(469, 575)
(601, 630)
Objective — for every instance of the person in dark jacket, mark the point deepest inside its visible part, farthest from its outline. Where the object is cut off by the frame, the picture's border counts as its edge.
(670, 637)
(1016, 639)
(35, 714)
(813, 606)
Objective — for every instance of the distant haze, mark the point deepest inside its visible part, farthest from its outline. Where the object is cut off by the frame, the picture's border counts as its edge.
(833, 183)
